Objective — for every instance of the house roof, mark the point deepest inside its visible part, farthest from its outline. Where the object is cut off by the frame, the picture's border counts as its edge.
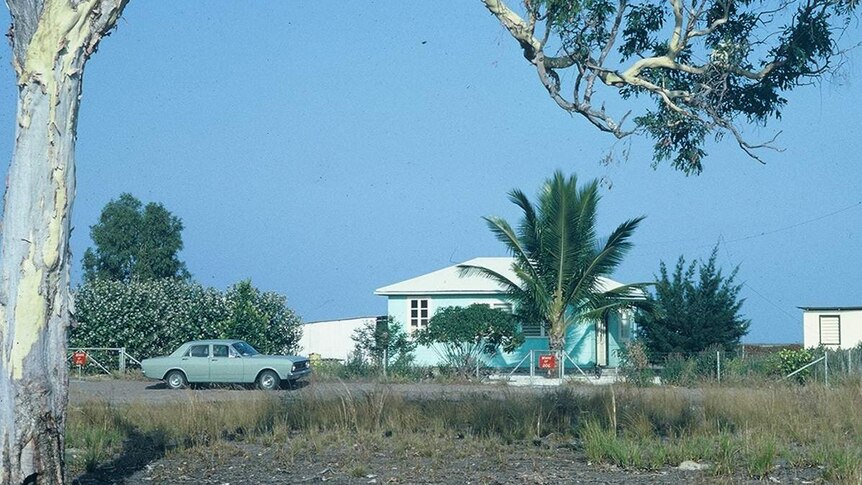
(448, 281)
(830, 308)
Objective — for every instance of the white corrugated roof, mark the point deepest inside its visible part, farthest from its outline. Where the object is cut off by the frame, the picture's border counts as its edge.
(449, 280)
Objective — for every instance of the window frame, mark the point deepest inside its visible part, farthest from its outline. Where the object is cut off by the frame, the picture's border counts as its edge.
(420, 321)
(192, 347)
(820, 328)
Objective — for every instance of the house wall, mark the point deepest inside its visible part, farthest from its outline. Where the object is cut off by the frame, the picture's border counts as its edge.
(331, 339)
(580, 339)
(850, 328)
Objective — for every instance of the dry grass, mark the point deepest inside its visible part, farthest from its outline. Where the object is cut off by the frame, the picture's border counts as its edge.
(737, 431)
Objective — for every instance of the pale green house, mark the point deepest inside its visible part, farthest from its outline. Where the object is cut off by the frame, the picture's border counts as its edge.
(414, 301)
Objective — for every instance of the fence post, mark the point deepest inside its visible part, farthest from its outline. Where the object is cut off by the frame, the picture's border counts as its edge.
(562, 364)
(532, 365)
(122, 364)
(826, 367)
(718, 365)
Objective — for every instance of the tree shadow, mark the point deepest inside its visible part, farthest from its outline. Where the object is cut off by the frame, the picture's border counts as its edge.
(139, 450)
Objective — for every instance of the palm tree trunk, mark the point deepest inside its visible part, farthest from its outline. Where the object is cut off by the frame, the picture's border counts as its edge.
(557, 338)
(51, 40)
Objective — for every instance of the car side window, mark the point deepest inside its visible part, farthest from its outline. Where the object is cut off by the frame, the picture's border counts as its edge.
(220, 351)
(199, 351)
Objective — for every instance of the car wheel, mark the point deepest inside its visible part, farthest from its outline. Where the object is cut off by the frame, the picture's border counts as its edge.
(176, 379)
(268, 380)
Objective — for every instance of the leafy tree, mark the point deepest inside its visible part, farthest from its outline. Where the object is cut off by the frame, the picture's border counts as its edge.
(707, 67)
(560, 262)
(135, 242)
(263, 319)
(461, 334)
(385, 338)
(688, 314)
(51, 42)
(153, 317)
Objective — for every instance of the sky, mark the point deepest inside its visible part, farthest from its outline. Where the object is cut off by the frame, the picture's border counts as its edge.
(326, 149)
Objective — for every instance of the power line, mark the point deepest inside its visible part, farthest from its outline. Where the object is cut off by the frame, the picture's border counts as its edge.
(760, 234)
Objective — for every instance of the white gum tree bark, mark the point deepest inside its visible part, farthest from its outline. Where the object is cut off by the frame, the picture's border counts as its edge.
(51, 42)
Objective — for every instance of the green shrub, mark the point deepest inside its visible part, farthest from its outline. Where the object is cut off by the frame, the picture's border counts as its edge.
(153, 317)
(635, 365)
(678, 371)
(786, 361)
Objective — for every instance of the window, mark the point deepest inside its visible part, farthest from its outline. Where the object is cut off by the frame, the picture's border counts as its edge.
(418, 314)
(198, 351)
(220, 351)
(830, 330)
(506, 307)
(533, 329)
(626, 316)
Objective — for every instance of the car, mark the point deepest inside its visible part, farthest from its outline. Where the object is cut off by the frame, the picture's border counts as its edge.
(224, 361)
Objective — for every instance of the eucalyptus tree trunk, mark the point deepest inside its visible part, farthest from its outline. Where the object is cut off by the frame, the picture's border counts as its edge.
(51, 41)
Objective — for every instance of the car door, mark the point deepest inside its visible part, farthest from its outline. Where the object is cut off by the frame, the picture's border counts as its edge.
(225, 366)
(196, 363)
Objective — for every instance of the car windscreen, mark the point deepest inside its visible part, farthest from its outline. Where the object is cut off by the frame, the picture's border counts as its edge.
(244, 349)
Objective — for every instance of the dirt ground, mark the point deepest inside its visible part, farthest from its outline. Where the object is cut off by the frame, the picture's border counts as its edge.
(382, 459)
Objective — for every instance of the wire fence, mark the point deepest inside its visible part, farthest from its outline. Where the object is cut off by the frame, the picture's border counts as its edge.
(100, 360)
(748, 365)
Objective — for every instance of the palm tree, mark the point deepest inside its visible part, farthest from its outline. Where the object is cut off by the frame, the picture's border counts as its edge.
(560, 263)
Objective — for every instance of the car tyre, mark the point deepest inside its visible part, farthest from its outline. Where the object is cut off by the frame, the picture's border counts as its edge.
(176, 379)
(268, 381)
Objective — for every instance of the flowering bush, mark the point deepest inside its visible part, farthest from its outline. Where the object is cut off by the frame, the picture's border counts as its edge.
(154, 317)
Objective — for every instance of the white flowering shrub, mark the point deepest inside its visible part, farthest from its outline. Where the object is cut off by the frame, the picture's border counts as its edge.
(154, 317)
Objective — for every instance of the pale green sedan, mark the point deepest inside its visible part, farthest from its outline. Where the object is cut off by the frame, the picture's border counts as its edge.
(224, 361)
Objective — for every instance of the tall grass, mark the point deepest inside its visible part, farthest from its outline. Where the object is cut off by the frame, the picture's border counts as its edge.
(735, 431)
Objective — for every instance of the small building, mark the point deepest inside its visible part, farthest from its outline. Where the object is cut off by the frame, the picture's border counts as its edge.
(832, 327)
(413, 302)
(332, 339)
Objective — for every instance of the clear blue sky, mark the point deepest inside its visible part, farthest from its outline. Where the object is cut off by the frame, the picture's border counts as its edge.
(327, 149)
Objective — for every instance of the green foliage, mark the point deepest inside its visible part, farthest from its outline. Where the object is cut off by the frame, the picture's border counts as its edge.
(461, 334)
(153, 317)
(560, 262)
(262, 319)
(635, 365)
(688, 315)
(135, 242)
(385, 338)
(786, 361)
(705, 68)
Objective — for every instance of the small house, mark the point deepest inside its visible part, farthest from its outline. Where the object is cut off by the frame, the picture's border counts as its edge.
(332, 339)
(413, 302)
(832, 327)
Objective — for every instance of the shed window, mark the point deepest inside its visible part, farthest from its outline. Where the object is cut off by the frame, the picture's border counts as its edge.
(418, 314)
(830, 330)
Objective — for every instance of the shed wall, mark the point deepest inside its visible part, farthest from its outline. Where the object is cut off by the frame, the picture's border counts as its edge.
(850, 328)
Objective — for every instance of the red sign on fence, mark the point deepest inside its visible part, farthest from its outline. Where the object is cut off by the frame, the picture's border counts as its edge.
(547, 361)
(79, 358)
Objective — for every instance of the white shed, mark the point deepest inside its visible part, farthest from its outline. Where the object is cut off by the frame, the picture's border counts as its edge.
(331, 339)
(832, 327)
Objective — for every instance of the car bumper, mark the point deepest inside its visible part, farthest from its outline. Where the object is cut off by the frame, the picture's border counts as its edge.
(298, 374)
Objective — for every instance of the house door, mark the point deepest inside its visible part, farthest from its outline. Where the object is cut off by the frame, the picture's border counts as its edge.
(602, 342)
